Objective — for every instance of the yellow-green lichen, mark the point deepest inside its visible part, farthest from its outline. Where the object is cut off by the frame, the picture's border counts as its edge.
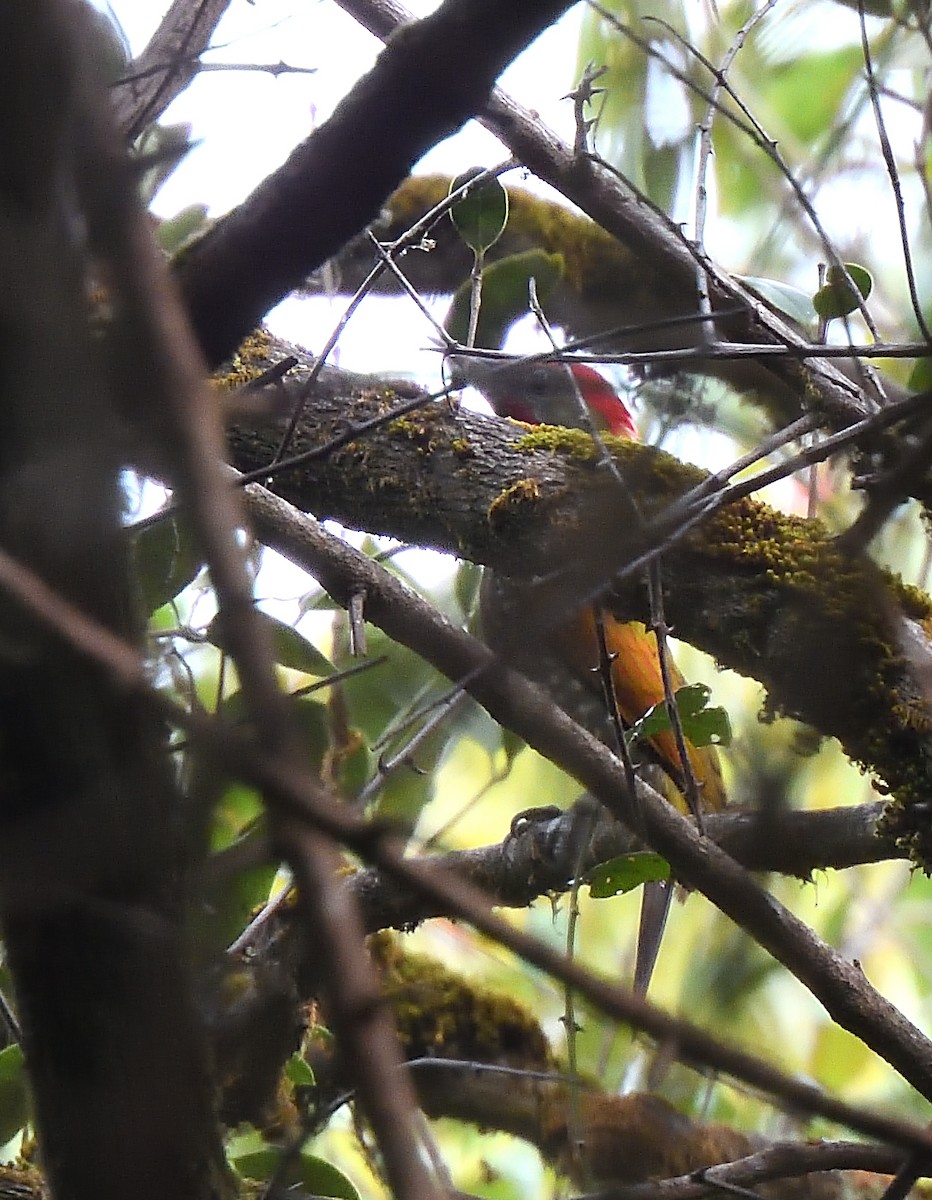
(572, 443)
(441, 1014)
(417, 429)
(842, 596)
(512, 499)
(253, 357)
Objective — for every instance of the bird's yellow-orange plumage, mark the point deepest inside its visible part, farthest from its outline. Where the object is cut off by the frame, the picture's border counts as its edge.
(638, 685)
(577, 396)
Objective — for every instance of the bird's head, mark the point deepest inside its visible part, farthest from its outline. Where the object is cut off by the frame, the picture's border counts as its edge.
(548, 393)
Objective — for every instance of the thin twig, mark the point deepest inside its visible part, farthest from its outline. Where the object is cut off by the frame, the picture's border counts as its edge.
(893, 174)
(759, 137)
(302, 796)
(705, 146)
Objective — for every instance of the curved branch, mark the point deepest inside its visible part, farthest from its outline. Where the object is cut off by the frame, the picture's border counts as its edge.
(541, 856)
(839, 985)
(620, 299)
(431, 78)
(837, 643)
(661, 245)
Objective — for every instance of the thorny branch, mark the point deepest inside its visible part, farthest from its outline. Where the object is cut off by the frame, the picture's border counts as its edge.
(618, 208)
(517, 499)
(167, 65)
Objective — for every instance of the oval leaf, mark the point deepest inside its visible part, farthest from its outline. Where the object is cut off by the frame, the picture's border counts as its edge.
(625, 873)
(175, 232)
(14, 1093)
(481, 215)
(321, 1178)
(313, 1175)
(791, 302)
(703, 724)
(290, 648)
(165, 560)
(837, 298)
(920, 377)
(299, 1072)
(257, 1164)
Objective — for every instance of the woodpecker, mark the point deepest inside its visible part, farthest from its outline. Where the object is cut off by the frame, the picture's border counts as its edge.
(565, 659)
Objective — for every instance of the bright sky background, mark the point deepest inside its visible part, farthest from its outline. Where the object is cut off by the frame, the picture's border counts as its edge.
(248, 122)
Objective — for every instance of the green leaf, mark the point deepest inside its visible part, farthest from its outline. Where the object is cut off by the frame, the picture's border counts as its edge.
(230, 904)
(257, 1164)
(299, 1072)
(235, 814)
(314, 721)
(290, 648)
(481, 215)
(165, 560)
(808, 111)
(309, 1173)
(661, 166)
(354, 765)
(792, 302)
(378, 702)
(321, 1178)
(14, 1093)
(165, 146)
(466, 587)
(920, 378)
(836, 298)
(175, 232)
(703, 725)
(625, 873)
(504, 295)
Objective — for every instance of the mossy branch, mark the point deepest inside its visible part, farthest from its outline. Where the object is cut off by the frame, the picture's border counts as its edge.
(631, 294)
(836, 642)
(480, 1056)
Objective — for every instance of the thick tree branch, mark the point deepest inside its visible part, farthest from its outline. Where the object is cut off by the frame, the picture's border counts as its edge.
(838, 644)
(512, 698)
(594, 285)
(660, 246)
(839, 985)
(329, 189)
(540, 857)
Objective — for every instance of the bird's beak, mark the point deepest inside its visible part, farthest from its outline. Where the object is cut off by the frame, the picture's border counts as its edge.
(490, 376)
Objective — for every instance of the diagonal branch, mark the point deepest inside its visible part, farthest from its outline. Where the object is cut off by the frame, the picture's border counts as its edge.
(167, 65)
(839, 985)
(428, 81)
(837, 643)
(512, 698)
(661, 245)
